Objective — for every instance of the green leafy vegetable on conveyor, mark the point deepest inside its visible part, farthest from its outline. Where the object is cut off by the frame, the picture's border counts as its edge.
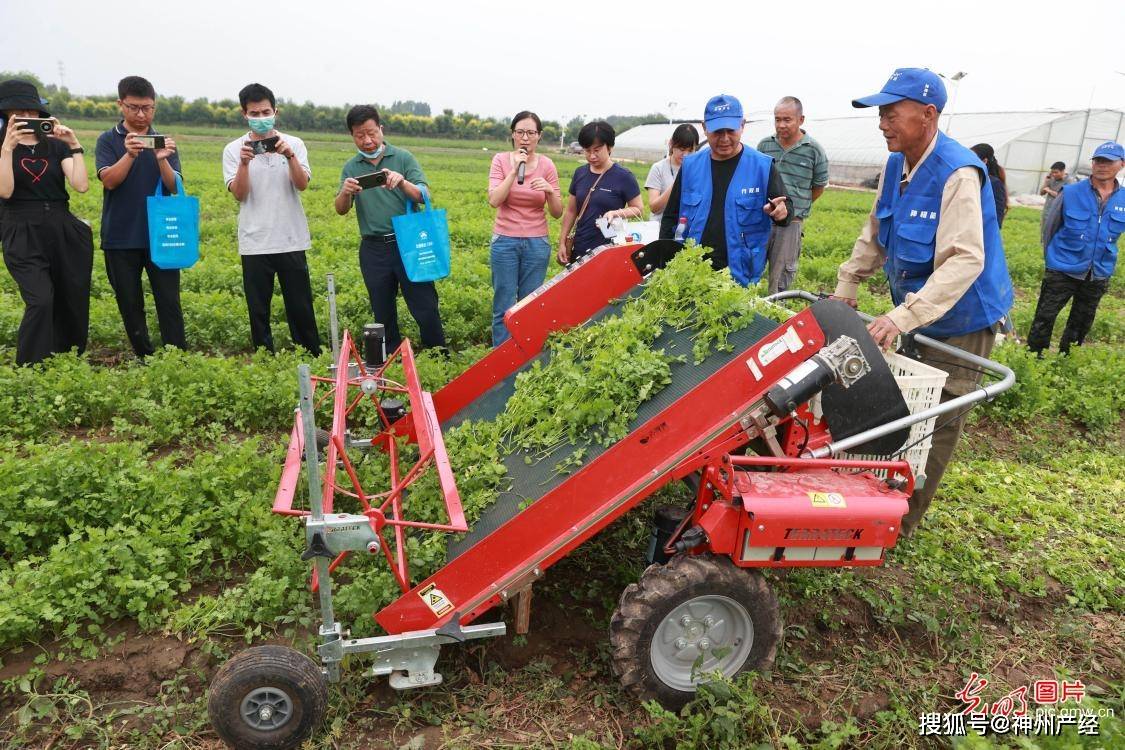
(599, 375)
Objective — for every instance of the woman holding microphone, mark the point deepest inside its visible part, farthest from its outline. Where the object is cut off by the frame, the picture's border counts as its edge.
(47, 249)
(520, 184)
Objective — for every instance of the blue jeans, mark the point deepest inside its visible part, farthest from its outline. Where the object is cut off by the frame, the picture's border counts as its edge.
(519, 265)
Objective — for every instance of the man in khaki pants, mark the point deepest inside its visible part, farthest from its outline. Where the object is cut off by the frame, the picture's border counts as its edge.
(803, 167)
(934, 232)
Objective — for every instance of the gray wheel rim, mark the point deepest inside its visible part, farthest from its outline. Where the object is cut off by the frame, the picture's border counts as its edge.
(715, 631)
(266, 708)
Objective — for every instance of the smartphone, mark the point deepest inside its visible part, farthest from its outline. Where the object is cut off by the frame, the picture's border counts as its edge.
(151, 141)
(372, 179)
(41, 125)
(264, 146)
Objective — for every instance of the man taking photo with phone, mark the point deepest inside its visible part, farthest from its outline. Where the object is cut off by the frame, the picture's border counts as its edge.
(266, 170)
(379, 260)
(129, 169)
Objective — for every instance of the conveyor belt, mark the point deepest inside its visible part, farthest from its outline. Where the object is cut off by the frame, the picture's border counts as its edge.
(529, 482)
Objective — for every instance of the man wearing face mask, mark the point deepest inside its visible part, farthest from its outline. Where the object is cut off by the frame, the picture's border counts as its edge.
(379, 259)
(265, 170)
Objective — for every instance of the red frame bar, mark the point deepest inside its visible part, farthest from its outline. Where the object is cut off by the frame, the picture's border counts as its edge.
(902, 467)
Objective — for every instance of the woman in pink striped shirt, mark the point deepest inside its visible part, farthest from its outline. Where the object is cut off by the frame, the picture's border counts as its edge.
(520, 248)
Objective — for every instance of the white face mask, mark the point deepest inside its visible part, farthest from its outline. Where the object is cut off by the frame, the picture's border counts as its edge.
(372, 154)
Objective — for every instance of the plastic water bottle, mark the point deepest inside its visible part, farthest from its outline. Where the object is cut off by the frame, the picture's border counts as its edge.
(681, 229)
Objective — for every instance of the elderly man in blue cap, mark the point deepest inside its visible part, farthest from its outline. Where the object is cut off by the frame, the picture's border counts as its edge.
(1080, 250)
(934, 232)
(728, 196)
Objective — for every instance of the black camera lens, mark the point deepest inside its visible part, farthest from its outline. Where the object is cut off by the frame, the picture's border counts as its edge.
(46, 127)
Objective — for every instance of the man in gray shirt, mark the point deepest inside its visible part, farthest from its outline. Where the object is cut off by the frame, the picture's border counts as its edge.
(803, 166)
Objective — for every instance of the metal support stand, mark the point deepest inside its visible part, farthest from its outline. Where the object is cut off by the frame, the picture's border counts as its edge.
(329, 628)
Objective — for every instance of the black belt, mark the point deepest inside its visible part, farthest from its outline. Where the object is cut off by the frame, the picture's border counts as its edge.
(34, 207)
(386, 239)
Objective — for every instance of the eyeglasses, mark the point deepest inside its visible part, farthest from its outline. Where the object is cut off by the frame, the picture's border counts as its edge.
(137, 109)
(525, 133)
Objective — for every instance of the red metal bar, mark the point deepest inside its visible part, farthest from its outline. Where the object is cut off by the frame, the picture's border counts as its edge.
(902, 467)
(351, 472)
(291, 473)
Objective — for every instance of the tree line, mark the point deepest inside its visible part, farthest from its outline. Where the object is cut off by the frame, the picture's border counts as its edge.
(407, 117)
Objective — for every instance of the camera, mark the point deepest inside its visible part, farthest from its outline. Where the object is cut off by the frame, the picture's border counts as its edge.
(372, 179)
(42, 126)
(264, 146)
(151, 141)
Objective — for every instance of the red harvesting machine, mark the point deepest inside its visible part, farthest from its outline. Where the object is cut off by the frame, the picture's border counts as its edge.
(801, 444)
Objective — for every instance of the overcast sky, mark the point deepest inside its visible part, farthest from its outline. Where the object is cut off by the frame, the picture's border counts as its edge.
(570, 59)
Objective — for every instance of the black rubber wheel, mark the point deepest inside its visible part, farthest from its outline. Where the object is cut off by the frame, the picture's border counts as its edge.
(267, 698)
(693, 616)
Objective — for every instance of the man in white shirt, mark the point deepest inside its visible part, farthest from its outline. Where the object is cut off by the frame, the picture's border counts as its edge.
(265, 170)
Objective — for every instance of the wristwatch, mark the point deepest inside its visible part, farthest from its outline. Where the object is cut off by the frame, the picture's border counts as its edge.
(78, 150)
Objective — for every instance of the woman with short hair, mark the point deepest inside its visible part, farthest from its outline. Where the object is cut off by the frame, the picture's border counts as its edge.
(521, 183)
(600, 188)
(684, 140)
(47, 249)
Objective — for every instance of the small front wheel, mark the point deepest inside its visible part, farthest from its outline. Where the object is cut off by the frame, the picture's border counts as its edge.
(267, 698)
(697, 615)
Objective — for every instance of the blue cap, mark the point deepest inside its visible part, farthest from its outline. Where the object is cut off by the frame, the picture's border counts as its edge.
(916, 84)
(723, 112)
(1109, 150)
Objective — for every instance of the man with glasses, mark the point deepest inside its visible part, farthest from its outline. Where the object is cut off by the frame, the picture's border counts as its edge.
(730, 195)
(379, 260)
(266, 170)
(129, 172)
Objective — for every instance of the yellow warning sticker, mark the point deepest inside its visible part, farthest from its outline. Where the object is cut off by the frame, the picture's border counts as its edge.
(827, 500)
(438, 602)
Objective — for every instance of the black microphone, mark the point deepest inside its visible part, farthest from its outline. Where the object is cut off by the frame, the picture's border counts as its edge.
(521, 170)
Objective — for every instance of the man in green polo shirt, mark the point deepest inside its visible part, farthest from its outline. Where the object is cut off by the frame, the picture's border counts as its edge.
(379, 259)
(803, 166)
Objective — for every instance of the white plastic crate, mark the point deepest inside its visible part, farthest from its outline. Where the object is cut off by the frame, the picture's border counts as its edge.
(921, 387)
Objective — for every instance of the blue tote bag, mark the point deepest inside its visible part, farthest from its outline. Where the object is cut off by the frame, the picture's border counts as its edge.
(423, 241)
(173, 227)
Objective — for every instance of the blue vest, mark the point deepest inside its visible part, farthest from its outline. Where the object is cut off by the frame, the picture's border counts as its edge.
(747, 226)
(908, 230)
(1087, 239)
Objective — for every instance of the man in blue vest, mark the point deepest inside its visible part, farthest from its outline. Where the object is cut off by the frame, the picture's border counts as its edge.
(728, 196)
(934, 232)
(1080, 250)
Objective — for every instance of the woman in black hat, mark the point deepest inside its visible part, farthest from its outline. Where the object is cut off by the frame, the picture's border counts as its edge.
(48, 251)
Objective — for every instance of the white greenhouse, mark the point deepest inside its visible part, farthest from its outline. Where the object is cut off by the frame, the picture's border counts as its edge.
(1026, 143)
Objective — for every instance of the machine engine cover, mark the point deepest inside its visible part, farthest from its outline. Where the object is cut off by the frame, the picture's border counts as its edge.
(818, 517)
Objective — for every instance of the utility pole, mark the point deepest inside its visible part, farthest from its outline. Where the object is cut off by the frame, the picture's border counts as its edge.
(956, 79)
(62, 75)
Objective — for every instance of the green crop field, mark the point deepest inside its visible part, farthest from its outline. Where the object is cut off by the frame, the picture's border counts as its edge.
(138, 551)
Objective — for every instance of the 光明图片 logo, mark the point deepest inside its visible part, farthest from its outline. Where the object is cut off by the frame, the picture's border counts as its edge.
(1013, 713)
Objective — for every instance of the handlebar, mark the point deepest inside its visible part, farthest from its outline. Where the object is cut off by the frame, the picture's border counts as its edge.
(983, 393)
